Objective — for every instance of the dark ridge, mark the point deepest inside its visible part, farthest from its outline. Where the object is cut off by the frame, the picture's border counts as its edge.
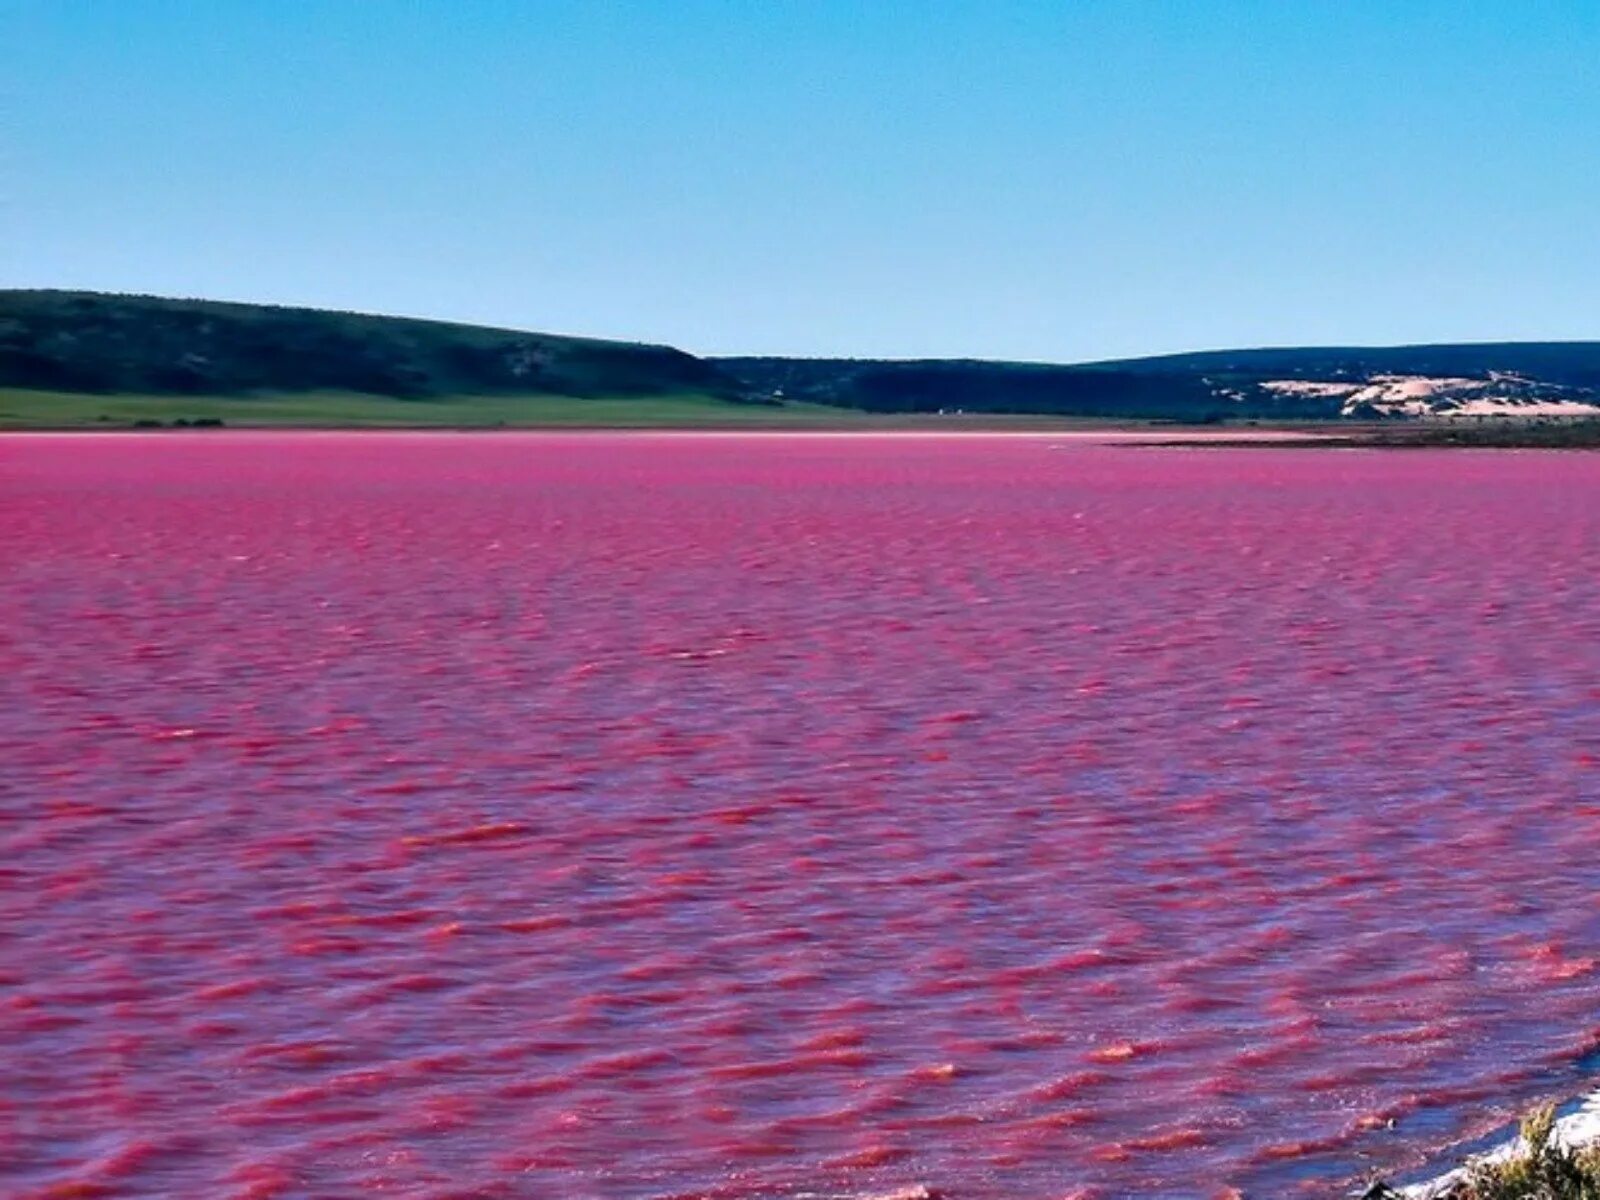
(1204, 386)
(1572, 364)
(95, 342)
(985, 387)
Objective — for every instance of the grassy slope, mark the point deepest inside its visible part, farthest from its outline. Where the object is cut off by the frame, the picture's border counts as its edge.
(85, 360)
(36, 409)
(25, 408)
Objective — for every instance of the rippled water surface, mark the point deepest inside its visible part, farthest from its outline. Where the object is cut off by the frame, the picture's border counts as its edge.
(670, 816)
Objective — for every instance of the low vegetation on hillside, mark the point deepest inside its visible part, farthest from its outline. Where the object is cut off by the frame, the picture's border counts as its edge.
(36, 409)
(991, 387)
(82, 342)
(72, 358)
(1316, 384)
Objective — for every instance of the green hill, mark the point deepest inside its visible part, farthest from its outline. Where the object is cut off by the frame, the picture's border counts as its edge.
(78, 358)
(114, 347)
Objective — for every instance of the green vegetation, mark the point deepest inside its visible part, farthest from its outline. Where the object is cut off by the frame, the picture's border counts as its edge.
(22, 408)
(73, 358)
(83, 342)
(1540, 1168)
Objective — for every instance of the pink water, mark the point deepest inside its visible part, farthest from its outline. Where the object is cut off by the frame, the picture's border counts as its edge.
(645, 816)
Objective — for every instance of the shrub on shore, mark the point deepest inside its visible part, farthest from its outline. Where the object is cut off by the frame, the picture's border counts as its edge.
(1539, 1168)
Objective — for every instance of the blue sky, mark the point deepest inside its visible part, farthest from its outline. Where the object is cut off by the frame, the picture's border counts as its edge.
(1061, 181)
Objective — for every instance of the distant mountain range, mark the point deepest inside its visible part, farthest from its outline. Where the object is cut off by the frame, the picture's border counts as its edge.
(1525, 379)
(85, 342)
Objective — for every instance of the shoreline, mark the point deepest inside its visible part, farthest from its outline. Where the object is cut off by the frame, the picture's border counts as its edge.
(1143, 435)
(1577, 1127)
(1574, 435)
(1150, 434)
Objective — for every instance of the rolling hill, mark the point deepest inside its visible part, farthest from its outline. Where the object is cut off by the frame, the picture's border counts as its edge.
(90, 343)
(76, 358)
(1534, 379)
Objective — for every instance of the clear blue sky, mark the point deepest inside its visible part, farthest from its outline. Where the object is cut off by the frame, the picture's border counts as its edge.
(1051, 180)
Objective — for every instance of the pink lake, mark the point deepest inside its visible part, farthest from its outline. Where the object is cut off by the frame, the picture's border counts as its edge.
(649, 816)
